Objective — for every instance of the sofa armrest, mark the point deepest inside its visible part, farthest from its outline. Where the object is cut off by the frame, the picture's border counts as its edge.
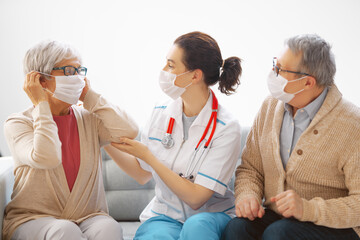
(6, 184)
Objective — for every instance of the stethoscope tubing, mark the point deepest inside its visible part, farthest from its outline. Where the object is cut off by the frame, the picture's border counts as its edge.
(168, 141)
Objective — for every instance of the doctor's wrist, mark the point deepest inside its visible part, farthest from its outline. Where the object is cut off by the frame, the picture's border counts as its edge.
(149, 158)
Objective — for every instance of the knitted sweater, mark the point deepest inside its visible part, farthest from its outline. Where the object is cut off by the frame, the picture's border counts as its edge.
(324, 167)
(41, 188)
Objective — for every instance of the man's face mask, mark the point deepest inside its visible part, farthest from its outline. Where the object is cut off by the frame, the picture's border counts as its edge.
(277, 84)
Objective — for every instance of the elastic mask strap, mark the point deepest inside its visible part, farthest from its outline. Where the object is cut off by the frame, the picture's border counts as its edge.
(297, 79)
(46, 75)
(45, 89)
(188, 84)
(298, 91)
(183, 74)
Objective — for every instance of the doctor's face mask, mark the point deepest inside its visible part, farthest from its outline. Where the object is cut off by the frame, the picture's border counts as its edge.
(167, 84)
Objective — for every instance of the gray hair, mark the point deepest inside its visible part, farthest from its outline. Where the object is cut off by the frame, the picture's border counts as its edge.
(45, 55)
(317, 58)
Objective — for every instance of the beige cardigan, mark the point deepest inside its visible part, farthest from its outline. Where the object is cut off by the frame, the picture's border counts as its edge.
(40, 188)
(324, 167)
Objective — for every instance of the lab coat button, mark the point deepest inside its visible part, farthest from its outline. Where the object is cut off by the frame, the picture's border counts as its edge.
(299, 152)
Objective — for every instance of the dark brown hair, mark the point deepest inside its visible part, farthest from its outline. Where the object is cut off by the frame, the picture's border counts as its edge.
(202, 52)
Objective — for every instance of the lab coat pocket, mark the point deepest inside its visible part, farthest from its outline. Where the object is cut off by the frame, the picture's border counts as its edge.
(154, 143)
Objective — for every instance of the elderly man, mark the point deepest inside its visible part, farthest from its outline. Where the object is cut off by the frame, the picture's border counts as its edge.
(302, 155)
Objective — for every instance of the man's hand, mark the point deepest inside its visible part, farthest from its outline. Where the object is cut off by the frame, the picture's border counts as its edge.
(249, 208)
(289, 204)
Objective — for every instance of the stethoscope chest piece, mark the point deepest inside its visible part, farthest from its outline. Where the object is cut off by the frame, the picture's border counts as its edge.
(168, 141)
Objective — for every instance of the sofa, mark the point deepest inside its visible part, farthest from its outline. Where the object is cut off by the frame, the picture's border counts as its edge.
(121, 191)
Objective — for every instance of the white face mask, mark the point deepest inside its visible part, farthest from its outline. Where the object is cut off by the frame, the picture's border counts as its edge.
(68, 88)
(167, 84)
(277, 84)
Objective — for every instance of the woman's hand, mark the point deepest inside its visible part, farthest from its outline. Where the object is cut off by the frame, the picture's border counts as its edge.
(133, 147)
(33, 88)
(85, 89)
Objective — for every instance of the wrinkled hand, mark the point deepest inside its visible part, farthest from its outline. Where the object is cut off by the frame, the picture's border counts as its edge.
(133, 147)
(85, 89)
(33, 88)
(249, 208)
(289, 204)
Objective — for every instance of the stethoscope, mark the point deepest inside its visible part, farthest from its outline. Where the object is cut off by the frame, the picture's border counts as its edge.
(168, 142)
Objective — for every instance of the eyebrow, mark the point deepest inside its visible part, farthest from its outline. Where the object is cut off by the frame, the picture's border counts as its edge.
(170, 60)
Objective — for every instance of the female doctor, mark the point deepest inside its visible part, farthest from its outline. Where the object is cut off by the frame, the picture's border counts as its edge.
(190, 146)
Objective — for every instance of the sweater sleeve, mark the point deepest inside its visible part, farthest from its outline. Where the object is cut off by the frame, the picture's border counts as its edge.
(338, 212)
(36, 143)
(113, 122)
(249, 174)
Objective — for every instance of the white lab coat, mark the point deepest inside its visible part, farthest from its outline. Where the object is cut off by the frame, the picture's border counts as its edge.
(215, 172)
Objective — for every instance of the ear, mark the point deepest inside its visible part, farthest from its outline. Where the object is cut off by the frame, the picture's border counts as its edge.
(198, 76)
(43, 81)
(310, 82)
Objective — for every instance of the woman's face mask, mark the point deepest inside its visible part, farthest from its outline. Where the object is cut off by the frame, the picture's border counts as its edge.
(68, 88)
(167, 84)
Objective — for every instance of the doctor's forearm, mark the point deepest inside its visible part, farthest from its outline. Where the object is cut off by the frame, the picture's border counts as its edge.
(192, 194)
(128, 164)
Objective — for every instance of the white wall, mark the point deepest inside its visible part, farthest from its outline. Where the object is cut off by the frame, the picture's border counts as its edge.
(124, 44)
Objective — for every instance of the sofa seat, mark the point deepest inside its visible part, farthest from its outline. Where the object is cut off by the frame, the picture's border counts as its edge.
(125, 197)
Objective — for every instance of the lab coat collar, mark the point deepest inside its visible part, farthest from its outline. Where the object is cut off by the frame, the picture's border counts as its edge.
(175, 110)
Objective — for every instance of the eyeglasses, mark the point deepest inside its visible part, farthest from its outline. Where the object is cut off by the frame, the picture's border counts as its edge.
(70, 70)
(277, 69)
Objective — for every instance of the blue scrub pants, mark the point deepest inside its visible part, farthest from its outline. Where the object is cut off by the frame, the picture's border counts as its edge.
(207, 226)
(274, 227)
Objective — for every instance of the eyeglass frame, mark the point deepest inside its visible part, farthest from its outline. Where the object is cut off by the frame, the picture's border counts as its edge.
(76, 69)
(282, 70)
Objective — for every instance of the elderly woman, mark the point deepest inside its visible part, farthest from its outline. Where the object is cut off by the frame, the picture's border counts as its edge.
(58, 191)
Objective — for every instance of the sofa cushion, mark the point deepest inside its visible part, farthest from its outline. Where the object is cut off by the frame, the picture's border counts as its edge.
(125, 197)
(6, 184)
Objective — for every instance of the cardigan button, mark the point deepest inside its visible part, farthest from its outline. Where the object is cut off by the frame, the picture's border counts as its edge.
(316, 131)
(299, 152)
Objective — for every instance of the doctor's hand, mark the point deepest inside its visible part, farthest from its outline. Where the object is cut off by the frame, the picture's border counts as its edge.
(33, 88)
(85, 89)
(289, 204)
(133, 147)
(249, 208)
